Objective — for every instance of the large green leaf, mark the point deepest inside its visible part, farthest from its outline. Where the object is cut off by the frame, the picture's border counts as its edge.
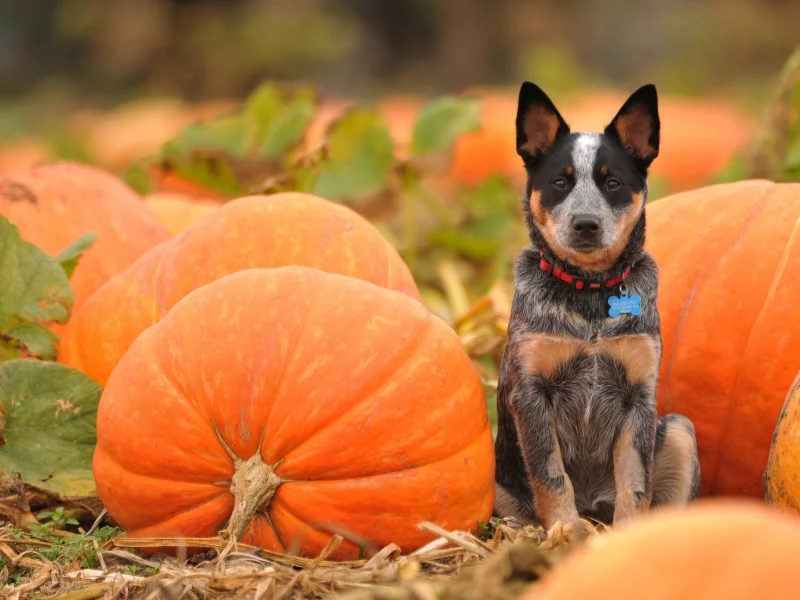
(441, 122)
(360, 157)
(28, 339)
(238, 150)
(49, 433)
(34, 284)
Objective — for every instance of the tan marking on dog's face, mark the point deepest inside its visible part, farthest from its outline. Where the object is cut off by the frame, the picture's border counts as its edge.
(638, 353)
(570, 170)
(604, 171)
(540, 127)
(634, 131)
(543, 354)
(673, 470)
(629, 478)
(603, 258)
(539, 214)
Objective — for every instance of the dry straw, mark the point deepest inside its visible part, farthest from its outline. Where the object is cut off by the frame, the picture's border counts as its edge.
(453, 565)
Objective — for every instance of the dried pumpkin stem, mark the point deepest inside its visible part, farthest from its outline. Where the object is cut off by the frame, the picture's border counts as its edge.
(253, 485)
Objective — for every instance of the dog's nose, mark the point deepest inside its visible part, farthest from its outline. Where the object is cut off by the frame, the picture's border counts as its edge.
(586, 225)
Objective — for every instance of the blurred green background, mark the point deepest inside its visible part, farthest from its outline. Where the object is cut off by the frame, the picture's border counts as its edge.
(107, 51)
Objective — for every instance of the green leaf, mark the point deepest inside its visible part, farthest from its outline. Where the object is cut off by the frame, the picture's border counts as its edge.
(70, 256)
(137, 176)
(29, 339)
(360, 157)
(288, 127)
(35, 286)
(235, 151)
(49, 433)
(441, 122)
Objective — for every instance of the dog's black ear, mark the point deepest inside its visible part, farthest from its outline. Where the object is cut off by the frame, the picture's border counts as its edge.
(539, 123)
(637, 127)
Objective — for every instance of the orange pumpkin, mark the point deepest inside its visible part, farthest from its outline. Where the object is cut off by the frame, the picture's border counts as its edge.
(730, 319)
(782, 475)
(717, 550)
(492, 149)
(254, 231)
(297, 404)
(178, 211)
(54, 204)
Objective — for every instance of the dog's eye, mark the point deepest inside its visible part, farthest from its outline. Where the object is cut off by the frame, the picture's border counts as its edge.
(612, 184)
(560, 183)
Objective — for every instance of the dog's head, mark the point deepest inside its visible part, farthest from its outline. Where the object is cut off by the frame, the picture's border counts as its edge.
(586, 191)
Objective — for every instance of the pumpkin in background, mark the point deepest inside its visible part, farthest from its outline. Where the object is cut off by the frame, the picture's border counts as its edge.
(715, 550)
(54, 204)
(254, 231)
(782, 475)
(139, 128)
(729, 258)
(315, 403)
(178, 211)
(492, 149)
(22, 153)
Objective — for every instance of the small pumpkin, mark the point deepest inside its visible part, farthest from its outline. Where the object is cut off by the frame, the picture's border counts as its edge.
(254, 231)
(729, 256)
(178, 211)
(289, 404)
(782, 475)
(54, 204)
(716, 550)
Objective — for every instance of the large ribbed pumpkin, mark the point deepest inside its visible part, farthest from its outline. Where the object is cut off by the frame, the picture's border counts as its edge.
(254, 231)
(54, 204)
(782, 475)
(717, 550)
(729, 300)
(315, 403)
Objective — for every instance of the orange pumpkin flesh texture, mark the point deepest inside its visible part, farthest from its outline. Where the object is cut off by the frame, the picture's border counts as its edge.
(178, 211)
(254, 231)
(729, 258)
(55, 204)
(357, 402)
(716, 550)
(782, 475)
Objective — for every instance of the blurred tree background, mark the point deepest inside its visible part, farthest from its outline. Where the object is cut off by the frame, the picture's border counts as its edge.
(108, 51)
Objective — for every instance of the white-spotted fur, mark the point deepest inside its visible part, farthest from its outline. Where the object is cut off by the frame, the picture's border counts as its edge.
(585, 198)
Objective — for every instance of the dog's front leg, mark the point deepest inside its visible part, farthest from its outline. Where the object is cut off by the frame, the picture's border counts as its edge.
(553, 494)
(633, 464)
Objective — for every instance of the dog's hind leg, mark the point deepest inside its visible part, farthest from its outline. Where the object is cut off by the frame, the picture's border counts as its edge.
(676, 472)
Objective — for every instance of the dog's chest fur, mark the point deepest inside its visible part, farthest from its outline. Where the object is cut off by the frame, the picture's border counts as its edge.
(593, 369)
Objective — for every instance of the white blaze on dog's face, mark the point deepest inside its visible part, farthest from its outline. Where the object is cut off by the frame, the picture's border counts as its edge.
(586, 191)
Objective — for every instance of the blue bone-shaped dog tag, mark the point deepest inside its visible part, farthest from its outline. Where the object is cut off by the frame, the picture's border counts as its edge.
(624, 304)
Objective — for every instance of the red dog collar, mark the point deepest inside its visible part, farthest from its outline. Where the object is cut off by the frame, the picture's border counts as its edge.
(579, 283)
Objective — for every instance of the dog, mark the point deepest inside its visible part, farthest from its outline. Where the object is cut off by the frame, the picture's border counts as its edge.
(578, 434)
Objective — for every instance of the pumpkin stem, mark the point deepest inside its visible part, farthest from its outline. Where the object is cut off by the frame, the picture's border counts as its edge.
(253, 486)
